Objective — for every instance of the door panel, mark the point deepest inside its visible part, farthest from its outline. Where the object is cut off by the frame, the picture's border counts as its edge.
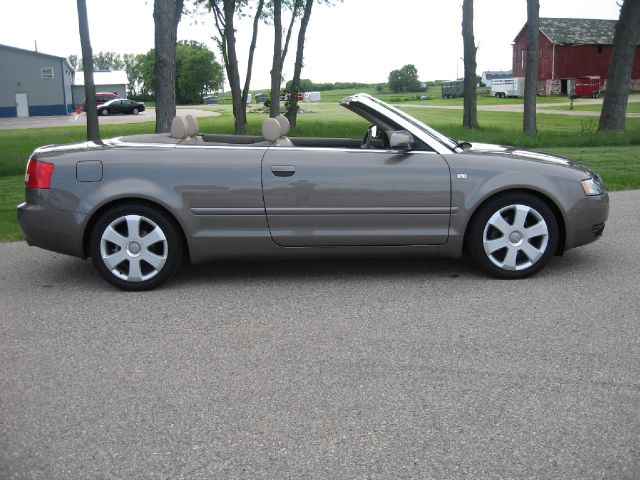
(333, 197)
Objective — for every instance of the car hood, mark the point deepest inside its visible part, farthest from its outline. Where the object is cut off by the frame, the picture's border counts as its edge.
(519, 154)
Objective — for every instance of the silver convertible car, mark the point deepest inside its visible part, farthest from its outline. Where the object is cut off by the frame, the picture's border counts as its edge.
(137, 205)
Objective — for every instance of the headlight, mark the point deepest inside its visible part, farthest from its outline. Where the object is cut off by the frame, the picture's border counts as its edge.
(592, 186)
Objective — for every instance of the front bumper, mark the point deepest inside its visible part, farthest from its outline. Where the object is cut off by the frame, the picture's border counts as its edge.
(52, 229)
(586, 221)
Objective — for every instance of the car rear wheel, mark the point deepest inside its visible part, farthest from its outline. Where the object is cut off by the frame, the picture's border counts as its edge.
(135, 247)
(513, 236)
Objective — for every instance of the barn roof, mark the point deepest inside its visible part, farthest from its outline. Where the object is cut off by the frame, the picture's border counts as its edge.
(578, 31)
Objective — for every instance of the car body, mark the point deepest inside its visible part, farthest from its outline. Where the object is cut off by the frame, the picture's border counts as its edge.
(137, 204)
(121, 105)
(102, 97)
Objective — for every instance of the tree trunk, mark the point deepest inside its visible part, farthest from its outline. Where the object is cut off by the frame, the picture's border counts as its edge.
(252, 48)
(470, 114)
(614, 107)
(276, 68)
(93, 129)
(292, 112)
(529, 125)
(166, 16)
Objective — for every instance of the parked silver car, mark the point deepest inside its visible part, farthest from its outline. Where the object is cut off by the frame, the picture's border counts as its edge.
(137, 205)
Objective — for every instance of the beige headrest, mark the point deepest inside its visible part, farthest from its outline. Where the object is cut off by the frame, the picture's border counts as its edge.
(178, 128)
(284, 124)
(192, 125)
(271, 129)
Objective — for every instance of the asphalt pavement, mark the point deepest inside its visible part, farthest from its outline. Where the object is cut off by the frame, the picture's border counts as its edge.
(376, 369)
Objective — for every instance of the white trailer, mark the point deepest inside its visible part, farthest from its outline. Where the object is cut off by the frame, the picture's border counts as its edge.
(312, 97)
(508, 87)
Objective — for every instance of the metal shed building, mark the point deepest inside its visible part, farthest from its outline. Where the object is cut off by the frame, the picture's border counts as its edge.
(34, 83)
(105, 81)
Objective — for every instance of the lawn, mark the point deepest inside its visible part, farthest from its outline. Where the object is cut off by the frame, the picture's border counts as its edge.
(615, 156)
(632, 107)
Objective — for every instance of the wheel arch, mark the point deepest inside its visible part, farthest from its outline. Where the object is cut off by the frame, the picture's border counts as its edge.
(89, 225)
(562, 235)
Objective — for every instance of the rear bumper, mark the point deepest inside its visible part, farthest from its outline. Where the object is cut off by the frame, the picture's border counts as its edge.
(52, 229)
(586, 221)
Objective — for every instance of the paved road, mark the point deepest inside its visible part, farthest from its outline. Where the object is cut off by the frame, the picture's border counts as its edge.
(330, 369)
(75, 120)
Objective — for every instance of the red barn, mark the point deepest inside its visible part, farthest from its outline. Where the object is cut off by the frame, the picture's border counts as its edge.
(570, 48)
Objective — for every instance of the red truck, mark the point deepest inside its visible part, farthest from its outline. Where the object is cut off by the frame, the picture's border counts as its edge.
(587, 87)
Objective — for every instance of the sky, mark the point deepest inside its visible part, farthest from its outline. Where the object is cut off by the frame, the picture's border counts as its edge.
(355, 40)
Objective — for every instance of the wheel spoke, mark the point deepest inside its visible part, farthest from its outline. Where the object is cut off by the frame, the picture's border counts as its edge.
(156, 261)
(537, 230)
(112, 261)
(133, 225)
(499, 223)
(135, 274)
(155, 236)
(509, 262)
(521, 216)
(530, 251)
(491, 246)
(110, 235)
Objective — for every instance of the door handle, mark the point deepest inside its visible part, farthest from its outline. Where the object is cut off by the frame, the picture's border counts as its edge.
(283, 170)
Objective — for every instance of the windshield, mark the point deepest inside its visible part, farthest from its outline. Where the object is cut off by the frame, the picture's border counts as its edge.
(418, 124)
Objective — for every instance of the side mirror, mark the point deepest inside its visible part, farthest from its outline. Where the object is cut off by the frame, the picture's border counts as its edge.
(401, 140)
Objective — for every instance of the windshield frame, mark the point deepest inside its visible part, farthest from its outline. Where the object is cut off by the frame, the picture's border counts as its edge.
(436, 140)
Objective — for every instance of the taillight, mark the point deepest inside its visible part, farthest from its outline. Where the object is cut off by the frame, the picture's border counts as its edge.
(38, 174)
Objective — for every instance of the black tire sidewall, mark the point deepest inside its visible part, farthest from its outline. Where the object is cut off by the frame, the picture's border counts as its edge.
(480, 219)
(168, 226)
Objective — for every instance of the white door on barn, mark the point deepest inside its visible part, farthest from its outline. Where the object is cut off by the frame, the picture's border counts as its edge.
(22, 105)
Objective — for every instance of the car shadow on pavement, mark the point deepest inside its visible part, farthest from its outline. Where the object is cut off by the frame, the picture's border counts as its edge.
(62, 272)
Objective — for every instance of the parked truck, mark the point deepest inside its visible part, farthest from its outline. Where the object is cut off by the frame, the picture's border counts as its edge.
(452, 89)
(586, 87)
(508, 87)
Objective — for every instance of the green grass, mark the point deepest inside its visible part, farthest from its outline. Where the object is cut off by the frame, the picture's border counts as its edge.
(632, 107)
(11, 194)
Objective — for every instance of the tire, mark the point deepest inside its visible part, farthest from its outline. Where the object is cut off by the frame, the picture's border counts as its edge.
(513, 236)
(104, 112)
(135, 247)
(135, 111)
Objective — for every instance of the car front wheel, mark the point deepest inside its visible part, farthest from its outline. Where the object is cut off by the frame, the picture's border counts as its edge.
(135, 247)
(104, 111)
(135, 111)
(513, 236)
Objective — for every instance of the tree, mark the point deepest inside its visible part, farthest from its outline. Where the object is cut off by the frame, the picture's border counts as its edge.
(75, 62)
(197, 72)
(292, 111)
(276, 64)
(614, 106)
(166, 16)
(93, 129)
(395, 81)
(224, 12)
(133, 67)
(108, 61)
(529, 126)
(405, 80)
(470, 113)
